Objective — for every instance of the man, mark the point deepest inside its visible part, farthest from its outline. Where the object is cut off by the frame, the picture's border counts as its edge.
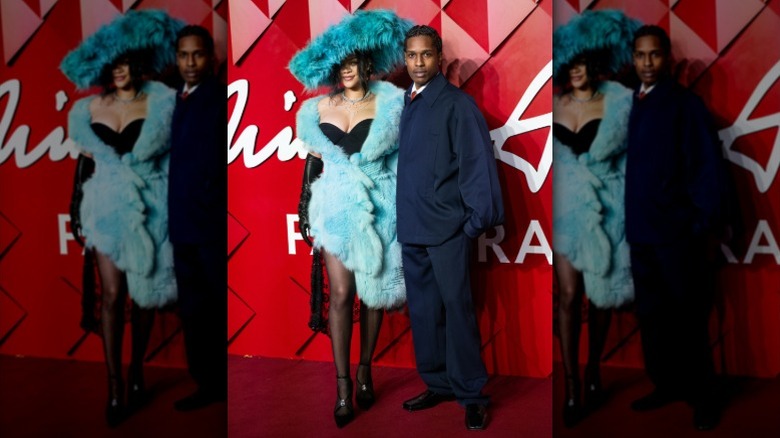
(674, 178)
(448, 194)
(197, 204)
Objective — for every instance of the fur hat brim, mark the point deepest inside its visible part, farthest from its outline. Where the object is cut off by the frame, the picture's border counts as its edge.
(381, 33)
(152, 30)
(608, 30)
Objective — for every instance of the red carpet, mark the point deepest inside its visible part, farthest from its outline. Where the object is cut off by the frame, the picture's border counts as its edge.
(60, 398)
(752, 410)
(295, 398)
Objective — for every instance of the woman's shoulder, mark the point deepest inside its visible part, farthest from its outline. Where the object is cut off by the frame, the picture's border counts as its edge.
(94, 102)
(322, 101)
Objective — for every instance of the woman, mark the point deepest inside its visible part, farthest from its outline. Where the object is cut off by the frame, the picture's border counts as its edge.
(590, 130)
(126, 131)
(351, 135)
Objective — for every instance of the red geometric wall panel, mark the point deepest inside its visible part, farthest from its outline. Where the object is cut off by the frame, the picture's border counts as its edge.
(727, 52)
(499, 52)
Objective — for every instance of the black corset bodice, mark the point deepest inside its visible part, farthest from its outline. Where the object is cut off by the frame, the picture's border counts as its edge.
(350, 142)
(579, 141)
(122, 142)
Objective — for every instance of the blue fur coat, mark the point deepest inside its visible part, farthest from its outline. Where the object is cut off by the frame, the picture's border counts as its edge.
(588, 206)
(124, 210)
(352, 208)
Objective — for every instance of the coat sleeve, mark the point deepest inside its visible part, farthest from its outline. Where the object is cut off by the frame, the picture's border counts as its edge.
(704, 167)
(477, 176)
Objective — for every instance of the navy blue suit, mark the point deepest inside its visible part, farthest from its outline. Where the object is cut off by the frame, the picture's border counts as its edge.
(674, 188)
(448, 193)
(197, 205)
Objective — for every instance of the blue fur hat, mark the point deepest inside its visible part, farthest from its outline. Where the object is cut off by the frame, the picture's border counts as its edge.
(607, 30)
(379, 32)
(136, 30)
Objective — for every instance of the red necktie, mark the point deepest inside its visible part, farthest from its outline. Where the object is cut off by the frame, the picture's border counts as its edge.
(184, 95)
(414, 94)
(642, 95)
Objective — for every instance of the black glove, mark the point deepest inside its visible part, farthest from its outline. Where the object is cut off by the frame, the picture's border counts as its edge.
(85, 167)
(311, 172)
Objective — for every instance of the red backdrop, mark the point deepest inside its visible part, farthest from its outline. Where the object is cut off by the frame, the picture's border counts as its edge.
(498, 52)
(727, 52)
(40, 263)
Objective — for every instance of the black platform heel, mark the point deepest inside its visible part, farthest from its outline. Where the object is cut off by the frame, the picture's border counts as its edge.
(594, 393)
(137, 396)
(344, 412)
(572, 409)
(115, 411)
(365, 390)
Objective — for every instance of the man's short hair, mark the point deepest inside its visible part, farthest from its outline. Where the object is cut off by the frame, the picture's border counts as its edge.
(198, 31)
(423, 30)
(653, 30)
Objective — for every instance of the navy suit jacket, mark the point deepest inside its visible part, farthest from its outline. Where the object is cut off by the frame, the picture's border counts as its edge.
(674, 169)
(197, 189)
(447, 178)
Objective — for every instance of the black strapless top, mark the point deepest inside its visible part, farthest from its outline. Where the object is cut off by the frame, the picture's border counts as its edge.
(122, 142)
(350, 142)
(579, 141)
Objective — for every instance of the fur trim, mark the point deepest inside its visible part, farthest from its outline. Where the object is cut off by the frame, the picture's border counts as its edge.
(136, 30)
(380, 32)
(352, 208)
(609, 30)
(124, 209)
(588, 206)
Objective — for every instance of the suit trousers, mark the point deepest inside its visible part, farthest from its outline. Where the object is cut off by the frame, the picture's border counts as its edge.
(674, 286)
(444, 327)
(201, 276)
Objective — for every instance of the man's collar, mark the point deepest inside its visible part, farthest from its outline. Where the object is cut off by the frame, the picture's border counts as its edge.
(646, 89)
(432, 88)
(189, 90)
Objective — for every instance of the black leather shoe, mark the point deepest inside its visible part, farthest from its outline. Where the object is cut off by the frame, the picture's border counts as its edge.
(476, 417)
(654, 400)
(198, 400)
(427, 399)
(705, 416)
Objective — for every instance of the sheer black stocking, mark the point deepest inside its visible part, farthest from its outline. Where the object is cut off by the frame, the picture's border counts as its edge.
(112, 318)
(142, 321)
(571, 289)
(370, 323)
(598, 327)
(342, 298)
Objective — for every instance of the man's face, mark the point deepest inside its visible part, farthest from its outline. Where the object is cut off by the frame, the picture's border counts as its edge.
(422, 59)
(650, 60)
(193, 60)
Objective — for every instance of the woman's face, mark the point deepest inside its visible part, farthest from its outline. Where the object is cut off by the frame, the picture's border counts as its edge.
(348, 73)
(578, 74)
(123, 80)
